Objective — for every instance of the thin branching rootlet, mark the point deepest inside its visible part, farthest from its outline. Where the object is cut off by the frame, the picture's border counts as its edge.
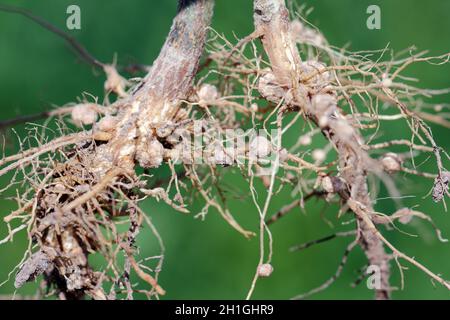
(196, 112)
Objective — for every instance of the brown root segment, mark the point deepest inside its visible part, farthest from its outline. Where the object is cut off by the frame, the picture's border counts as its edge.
(172, 74)
(272, 20)
(159, 97)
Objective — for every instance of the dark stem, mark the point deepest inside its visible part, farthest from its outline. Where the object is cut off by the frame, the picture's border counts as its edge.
(22, 119)
(80, 50)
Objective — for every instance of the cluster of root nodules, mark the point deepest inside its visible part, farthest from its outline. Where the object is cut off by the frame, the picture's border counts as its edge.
(71, 213)
(339, 109)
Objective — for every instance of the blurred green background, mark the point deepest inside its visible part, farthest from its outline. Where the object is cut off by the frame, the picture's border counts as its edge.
(209, 259)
